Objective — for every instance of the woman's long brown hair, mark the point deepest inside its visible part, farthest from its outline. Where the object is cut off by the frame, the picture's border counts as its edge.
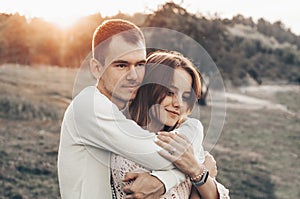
(157, 81)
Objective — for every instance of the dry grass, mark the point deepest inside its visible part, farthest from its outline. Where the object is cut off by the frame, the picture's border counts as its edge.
(257, 152)
(22, 109)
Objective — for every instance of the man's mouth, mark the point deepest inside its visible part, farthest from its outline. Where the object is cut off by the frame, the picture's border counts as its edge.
(132, 87)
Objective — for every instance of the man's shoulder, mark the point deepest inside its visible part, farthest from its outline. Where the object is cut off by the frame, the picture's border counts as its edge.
(91, 101)
(84, 92)
(90, 93)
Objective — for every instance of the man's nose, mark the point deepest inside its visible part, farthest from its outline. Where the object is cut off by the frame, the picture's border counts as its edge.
(132, 73)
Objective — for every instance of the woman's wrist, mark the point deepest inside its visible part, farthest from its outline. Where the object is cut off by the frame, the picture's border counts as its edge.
(197, 172)
(200, 179)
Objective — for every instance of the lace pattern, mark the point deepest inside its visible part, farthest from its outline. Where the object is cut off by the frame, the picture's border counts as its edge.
(120, 166)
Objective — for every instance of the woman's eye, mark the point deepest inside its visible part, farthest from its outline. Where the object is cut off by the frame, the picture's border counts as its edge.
(186, 97)
(170, 93)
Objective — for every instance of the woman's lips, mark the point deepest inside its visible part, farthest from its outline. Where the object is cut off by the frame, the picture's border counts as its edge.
(174, 113)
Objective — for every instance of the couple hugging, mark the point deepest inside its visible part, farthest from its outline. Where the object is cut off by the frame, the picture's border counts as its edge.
(129, 136)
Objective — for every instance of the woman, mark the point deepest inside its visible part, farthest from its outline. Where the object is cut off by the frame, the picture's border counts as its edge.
(170, 88)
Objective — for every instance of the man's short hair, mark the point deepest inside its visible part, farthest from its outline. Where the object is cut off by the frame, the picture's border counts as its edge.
(109, 28)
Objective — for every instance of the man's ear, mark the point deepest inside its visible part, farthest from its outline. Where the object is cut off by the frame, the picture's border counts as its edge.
(96, 68)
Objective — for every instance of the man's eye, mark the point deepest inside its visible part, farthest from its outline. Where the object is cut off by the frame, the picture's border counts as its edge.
(121, 65)
(141, 64)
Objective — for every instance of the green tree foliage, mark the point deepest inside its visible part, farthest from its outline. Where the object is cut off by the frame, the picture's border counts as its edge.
(239, 46)
(278, 31)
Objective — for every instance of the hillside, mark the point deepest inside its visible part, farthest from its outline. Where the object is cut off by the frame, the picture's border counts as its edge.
(258, 144)
(240, 47)
(257, 152)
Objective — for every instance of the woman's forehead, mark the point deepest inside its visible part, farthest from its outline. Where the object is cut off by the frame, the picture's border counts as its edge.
(182, 80)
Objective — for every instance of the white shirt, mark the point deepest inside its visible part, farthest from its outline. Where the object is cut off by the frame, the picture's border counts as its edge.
(92, 128)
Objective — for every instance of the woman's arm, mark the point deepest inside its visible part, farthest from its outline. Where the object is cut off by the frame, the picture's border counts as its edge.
(182, 156)
(171, 178)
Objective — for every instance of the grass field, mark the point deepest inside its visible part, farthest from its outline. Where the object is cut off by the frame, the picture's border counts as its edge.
(257, 153)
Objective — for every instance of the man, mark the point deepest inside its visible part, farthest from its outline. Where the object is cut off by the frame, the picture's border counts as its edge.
(93, 126)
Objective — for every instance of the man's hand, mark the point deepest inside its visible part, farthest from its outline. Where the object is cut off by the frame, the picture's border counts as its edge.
(144, 186)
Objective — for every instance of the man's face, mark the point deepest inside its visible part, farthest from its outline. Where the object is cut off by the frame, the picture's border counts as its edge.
(124, 70)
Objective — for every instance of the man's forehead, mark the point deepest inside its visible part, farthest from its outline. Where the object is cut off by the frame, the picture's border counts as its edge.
(119, 47)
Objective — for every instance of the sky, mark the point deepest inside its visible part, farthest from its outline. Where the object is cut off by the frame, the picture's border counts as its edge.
(66, 12)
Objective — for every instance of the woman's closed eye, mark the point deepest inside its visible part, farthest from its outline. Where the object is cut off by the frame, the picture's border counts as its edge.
(186, 96)
(170, 93)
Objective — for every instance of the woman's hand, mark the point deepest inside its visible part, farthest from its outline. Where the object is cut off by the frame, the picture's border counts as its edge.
(211, 164)
(179, 150)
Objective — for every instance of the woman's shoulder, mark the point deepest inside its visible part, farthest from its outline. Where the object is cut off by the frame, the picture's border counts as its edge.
(192, 122)
(191, 128)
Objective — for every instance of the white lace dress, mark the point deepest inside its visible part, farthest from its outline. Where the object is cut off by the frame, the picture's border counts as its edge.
(120, 166)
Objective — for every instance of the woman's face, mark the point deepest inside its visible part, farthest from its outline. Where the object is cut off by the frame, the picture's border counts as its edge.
(175, 104)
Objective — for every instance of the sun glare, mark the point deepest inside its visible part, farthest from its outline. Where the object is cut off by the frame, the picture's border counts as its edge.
(61, 13)
(65, 13)
(62, 21)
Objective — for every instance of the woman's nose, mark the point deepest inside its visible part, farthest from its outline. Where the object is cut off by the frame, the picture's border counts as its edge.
(177, 101)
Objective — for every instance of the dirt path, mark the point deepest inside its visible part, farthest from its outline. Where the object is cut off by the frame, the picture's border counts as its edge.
(243, 99)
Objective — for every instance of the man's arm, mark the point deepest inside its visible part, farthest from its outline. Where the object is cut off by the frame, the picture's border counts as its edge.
(99, 124)
(151, 185)
(172, 177)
